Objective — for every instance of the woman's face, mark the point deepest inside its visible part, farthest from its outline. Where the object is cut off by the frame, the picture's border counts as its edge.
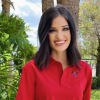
(59, 34)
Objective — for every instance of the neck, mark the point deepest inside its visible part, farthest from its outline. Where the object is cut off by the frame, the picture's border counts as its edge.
(60, 56)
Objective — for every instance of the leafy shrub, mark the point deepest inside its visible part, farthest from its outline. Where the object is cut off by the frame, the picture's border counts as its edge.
(96, 82)
(15, 51)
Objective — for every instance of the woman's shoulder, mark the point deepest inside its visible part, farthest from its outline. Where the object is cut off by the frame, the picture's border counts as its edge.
(85, 66)
(29, 65)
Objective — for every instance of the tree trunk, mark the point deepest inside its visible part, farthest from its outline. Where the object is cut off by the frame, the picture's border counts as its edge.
(47, 4)
(73, 6)
(6, 6)
(98, 61)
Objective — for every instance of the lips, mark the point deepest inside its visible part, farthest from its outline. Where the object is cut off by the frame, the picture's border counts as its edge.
(60, 42)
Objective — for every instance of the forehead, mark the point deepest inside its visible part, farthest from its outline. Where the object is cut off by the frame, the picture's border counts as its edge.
(59, 21)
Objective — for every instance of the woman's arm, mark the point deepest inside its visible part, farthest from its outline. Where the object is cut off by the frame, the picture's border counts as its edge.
(26, 90)
(87, 92)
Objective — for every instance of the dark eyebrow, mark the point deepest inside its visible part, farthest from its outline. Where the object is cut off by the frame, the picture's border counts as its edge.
(64, 25)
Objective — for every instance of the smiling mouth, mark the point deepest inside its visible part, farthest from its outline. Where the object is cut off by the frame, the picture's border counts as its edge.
(60, 43)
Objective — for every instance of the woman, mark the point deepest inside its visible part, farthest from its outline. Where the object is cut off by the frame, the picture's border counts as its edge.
(57, 72)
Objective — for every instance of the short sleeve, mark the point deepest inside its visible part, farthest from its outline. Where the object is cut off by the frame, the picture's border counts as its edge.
(87, 92)
(26, 89)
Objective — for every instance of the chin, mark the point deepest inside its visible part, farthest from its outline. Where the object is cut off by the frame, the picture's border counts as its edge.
(61, 49)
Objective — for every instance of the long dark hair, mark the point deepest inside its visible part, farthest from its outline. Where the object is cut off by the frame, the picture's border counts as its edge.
(43, 54)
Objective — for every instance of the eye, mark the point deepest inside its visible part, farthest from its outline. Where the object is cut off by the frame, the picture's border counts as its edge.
(52, 30)
(66, 29)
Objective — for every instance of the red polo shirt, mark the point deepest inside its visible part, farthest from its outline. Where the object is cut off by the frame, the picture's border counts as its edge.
(54, 83)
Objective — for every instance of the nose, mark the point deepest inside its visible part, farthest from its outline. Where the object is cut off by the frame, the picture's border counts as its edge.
(59, 34)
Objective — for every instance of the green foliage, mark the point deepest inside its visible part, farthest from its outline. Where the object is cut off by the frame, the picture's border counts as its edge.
(89, 23)
(95, 94)
(96, 82)
(15, 51)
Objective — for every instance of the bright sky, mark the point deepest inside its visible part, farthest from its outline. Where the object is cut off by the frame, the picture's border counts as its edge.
(30, 11)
